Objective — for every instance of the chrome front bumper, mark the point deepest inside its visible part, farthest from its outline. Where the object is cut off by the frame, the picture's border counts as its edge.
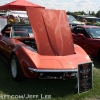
(55, 70)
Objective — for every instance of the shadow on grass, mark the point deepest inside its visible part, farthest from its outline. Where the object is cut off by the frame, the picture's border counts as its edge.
(96, 63)
(55, 88)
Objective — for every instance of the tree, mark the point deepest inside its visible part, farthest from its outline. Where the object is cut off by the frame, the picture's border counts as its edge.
(83, 13)
(92, 13)
(98, 14)
(68, 12)
(89, 12)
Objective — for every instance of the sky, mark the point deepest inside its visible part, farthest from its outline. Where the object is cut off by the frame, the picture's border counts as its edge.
(68, 5)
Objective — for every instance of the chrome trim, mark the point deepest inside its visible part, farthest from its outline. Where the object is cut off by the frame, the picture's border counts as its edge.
(55, 70)
(50, 78)
(25, 61)
(4, 42)
(11, 30)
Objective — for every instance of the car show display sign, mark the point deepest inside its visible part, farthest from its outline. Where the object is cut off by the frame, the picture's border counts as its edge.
(85, 77)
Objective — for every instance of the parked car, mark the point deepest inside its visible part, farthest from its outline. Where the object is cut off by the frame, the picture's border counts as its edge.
(73, 22)
(44, 54)
(88, 37)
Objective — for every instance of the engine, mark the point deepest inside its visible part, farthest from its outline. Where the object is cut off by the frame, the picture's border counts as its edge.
(30, 42)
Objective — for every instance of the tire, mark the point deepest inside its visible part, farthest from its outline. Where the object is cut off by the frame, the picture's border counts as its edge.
(16, 70)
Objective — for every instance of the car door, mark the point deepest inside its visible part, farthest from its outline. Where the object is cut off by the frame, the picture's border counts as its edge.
(81, 37)
(6, 44)
(78, 37)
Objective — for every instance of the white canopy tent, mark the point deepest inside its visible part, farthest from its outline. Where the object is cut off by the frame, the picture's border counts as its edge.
(17, 13)
(3, 22)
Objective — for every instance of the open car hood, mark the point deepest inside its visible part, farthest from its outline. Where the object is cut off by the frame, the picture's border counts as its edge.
(52, 32)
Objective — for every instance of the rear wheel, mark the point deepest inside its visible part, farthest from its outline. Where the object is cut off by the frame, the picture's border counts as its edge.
(16, 70)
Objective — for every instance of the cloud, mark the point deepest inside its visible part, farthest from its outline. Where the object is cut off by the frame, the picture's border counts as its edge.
(68, 5)
(4, 2)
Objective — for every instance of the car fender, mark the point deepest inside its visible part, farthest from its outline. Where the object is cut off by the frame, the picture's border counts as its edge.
(24, 60)
(79, 50)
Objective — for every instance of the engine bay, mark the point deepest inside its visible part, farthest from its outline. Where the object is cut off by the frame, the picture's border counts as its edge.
(30, 42)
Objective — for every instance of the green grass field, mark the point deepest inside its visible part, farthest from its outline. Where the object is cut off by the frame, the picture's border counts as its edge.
(57, 89)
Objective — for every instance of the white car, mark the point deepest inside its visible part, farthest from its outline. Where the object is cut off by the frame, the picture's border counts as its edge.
(73, 21)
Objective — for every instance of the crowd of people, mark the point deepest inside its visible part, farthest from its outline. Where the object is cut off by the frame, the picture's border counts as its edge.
(15, 19)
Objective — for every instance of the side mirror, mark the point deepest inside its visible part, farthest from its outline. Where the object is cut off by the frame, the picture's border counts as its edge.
(81, 35)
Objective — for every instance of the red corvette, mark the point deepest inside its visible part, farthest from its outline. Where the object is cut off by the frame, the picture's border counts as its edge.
(88, 37)
(42, 50)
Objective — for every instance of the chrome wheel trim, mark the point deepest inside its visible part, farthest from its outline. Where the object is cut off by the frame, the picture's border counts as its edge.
(13, 68)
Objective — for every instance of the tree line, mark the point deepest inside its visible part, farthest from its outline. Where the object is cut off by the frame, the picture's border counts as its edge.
(97, 14)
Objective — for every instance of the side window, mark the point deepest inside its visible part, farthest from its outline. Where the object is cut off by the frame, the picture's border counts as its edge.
(6, 31)
(79, 30)
(75, 30)
(83, 31)
(18, 31)
(8, 28)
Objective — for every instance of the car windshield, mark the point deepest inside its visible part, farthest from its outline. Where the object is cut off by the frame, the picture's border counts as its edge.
(22, 31)
(94, 32)
(71, 18)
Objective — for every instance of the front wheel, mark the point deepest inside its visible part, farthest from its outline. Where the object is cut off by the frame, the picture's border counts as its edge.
(16, 70)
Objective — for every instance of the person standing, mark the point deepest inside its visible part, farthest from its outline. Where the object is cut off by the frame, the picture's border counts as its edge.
(18, 18)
